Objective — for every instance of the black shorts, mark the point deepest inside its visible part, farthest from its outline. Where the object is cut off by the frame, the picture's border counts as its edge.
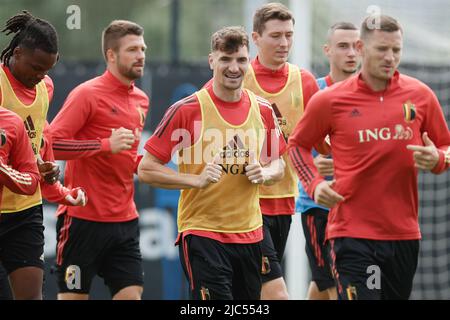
(88, 248)
(314, 222)
(22, 239)
(276, 232)
(221, 271)
(373, 269)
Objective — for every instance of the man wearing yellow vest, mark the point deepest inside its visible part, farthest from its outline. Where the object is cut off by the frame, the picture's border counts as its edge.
(288, 88)
(26, 90)
(228, 145)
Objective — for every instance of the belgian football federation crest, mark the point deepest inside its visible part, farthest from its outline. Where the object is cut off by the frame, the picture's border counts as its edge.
(409, 111)
(141, 112)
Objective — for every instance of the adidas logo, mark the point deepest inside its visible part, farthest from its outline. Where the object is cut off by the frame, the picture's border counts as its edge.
(355, 113)
(234, 149)
(29, 125)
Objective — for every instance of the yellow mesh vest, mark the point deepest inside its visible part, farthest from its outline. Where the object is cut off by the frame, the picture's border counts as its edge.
(288, 107)
(232, 204)
(34, 116)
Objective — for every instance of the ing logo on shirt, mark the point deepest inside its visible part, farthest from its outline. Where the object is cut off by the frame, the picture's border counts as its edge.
(409, 111)
(3, 138)
(398, 132)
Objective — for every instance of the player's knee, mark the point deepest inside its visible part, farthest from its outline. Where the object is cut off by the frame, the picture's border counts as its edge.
(129, 293)
(274, 295)
(274, 290)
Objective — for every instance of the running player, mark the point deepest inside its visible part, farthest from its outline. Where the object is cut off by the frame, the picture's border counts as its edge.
(26, 90)
(383, 127)
(288, 88)
(98, 131)
(218, 133)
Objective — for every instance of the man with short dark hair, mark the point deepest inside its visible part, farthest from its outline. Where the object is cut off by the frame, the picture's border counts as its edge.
(383, 126)
(288, 88)
(228, 145)
(98, 131)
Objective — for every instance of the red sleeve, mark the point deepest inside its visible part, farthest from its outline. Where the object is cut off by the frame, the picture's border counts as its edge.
(309, 86)
(74, 114)
(51, 192)
(274, 144)
(54, 192)
(22, 176)
(436, 127)
(308, 133)
(46, 151)
(176, 129)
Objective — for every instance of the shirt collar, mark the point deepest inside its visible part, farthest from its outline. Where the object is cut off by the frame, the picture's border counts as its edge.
(328, 80)
(260, 69)
(113, 81)
(392, 83)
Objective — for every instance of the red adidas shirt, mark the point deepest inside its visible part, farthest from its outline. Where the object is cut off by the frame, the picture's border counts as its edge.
(273, 81)
(374, 171)
(56, 192)
(81, 132)
(184, 114)
(18, 170)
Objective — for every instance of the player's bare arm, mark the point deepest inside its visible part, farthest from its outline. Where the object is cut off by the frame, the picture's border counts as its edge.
(152, 171)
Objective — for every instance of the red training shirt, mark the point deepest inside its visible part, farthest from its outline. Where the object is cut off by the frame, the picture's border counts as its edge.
(81, 132)
(374, 171)
(18, 169)
(184, 114)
